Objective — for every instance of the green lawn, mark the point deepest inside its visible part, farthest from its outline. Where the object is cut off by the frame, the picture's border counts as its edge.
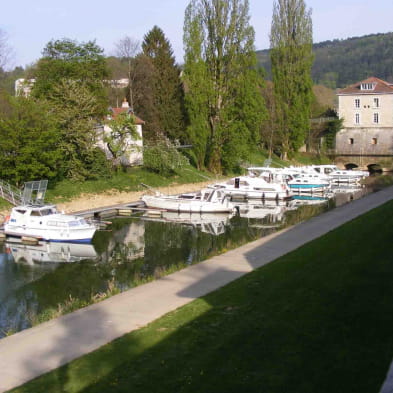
(316, 320)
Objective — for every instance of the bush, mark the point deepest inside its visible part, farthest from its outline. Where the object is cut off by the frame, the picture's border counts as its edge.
(161, 156)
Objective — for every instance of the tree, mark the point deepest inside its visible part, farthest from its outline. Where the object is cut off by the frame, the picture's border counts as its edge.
(74, 107)
(70, 79)
(5, 50)
(127, 49)
(166, 86)
(119, 139)
(30, 147)
(145, 105)
(72, 61)
(222, 83)
(291, 60)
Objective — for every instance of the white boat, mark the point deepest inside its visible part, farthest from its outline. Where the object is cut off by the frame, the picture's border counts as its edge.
(305, 182)
(44, 222)
(206, 201)
(337, 175)
(247, 187)
(348, 176)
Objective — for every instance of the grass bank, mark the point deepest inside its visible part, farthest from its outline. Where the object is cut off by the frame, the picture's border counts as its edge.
(316, 320)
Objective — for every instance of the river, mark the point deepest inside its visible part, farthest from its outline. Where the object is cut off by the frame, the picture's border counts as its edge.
(36, 281)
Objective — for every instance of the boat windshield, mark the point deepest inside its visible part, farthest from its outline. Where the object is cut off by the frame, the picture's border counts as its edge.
(43, 212)
(76, 223)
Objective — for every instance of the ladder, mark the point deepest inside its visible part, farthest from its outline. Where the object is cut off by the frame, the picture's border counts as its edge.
(33, 192)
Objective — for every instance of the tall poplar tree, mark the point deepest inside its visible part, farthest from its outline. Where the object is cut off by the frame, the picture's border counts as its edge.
(223, 99)
(291, 59)
(165, 85)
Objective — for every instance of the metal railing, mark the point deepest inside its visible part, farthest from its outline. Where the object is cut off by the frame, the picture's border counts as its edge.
(33, 192)
(10, 193)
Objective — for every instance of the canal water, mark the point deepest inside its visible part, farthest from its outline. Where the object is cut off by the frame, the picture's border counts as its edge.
(38, 280)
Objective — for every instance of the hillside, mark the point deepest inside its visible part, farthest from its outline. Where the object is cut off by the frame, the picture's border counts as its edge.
(339, 63)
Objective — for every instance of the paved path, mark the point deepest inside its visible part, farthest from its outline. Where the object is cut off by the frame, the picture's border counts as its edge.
(32, 352)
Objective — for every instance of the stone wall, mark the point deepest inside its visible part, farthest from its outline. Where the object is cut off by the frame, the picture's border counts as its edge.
(365, 141)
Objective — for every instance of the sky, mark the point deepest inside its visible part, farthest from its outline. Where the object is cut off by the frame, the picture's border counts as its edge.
(30, 25)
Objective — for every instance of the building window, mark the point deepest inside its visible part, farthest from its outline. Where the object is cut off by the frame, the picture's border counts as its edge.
(367, 86)
(376, 118)
(357, 118)
(350, 141)
(374, 141)
(376, 102)
(357, 103)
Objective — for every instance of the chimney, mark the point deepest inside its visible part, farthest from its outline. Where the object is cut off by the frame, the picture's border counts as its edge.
(125, 103)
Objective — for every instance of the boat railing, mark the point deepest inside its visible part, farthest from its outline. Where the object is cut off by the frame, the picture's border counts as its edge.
(33, 192)
(10, 193)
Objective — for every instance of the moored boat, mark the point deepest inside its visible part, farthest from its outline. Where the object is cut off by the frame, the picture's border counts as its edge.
(44, 222)
(205, 201)
(247, 187)
(308, 183)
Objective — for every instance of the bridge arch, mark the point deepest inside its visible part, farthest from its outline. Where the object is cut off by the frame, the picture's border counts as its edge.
(351, 165)
(375, 168)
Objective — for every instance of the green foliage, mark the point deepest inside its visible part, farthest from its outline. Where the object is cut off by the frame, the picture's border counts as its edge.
(223, 101)
(291, 59)
(30, 147)
(74, 106)
(162, 157)
(339, 63)
(332, 127)
(72, 61)
(121, 136)
(167, 92)
(98, 166)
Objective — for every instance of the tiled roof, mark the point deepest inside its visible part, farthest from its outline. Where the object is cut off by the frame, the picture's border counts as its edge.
(380, 87)
(117, 111)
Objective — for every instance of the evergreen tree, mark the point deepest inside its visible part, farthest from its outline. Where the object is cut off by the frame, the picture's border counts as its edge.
(222, 84)
(291, 60)
(166, 86)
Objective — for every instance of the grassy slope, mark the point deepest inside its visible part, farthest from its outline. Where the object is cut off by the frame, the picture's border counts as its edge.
(316, 320)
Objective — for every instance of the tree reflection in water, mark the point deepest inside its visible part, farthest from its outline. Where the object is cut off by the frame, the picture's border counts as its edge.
(36, 279)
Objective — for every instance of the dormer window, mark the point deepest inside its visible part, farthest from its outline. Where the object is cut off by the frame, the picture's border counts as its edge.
(367, 86)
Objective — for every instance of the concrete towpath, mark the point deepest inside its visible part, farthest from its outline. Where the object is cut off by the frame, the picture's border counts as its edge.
(32, 352)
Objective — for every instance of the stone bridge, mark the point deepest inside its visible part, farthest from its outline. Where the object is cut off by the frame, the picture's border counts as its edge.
(364, 162)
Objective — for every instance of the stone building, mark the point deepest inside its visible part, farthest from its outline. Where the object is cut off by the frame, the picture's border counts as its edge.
(367, 134)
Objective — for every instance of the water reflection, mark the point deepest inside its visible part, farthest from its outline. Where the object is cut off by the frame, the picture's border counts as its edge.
(212, 223)
(34, 279)
(48, 252)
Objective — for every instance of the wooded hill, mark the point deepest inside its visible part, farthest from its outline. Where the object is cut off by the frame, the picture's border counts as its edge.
(339, 63)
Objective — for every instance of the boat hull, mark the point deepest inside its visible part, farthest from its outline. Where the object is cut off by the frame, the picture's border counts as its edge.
(84, 236)
(257, 195)
(309, 187)
(186, 206)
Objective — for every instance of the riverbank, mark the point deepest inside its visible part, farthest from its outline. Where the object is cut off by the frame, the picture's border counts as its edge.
(115, 197)
(307, 314)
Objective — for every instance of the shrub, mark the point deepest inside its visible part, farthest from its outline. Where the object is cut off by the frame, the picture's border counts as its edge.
(161, 156)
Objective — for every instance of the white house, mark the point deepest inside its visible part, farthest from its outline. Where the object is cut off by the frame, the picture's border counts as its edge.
(134, 147)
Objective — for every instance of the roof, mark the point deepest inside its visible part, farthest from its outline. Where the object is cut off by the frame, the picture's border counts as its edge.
(117, 111)
(380, 87)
